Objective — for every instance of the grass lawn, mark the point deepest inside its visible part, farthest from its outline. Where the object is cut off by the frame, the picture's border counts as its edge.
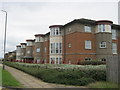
(102, 85)
(7, 79)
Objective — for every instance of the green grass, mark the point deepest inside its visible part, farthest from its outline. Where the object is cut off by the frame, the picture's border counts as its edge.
(8, 79)
(102, 85)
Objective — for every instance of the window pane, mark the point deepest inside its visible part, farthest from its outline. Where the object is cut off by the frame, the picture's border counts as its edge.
(88, 44)
(114, 48)
(114, 34)
(87, 28)
(38, 50)
(103, 44)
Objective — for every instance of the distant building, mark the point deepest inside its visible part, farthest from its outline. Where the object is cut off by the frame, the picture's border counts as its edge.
(10, 56)
(76, 41)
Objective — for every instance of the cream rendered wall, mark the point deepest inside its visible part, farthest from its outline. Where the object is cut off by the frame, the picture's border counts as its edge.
(55, 39)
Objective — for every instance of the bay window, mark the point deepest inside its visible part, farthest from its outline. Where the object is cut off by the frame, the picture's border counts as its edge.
(104, 28)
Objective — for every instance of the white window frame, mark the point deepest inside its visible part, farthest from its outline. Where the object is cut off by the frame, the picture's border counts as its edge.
(114, 48)
(88, 44)
(103, 44)
(87, 28)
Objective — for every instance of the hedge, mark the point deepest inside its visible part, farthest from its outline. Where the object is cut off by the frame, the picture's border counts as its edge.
(79, 77)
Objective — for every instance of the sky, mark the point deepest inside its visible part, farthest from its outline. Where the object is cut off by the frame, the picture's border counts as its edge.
(29, 17)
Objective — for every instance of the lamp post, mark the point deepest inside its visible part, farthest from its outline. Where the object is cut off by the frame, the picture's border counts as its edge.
(5, 36)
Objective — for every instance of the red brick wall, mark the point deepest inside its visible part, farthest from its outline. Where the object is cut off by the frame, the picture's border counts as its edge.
(46, 54)
(77, 51)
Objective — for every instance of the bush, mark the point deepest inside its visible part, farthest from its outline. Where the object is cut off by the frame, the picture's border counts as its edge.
(63, 76)
(93, 62)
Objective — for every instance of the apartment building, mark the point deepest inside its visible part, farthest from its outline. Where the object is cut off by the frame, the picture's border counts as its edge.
(78, 40)
(41, 48)
(10, 56)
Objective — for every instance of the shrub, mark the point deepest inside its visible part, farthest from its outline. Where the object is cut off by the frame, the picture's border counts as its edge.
(93, 62)
(63, 76)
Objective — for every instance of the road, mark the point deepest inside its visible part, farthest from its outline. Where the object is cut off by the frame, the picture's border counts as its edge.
(29, 81)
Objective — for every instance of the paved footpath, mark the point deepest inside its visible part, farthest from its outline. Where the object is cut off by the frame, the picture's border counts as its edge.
(29, 81)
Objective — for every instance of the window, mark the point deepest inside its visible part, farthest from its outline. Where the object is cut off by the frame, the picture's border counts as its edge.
(38, 60)
(114, 48)
(55, 31)
(104, 28)
(45, 39)
(60, 47)
(37, 39)
(22, 53)
(69, 45)
(60, 61)
(87, 28)
(103, 60)
(38, 50)
(69, 29)
(18, 54)
(22, 46)
(114, 34)
(29, 43)
(52, 47)
(45, 61)
(56, 48)
(88, 59)
(28, 52)
(52, 60)
(103, 44)
(88, 44)
(45, 49)
(101, 28)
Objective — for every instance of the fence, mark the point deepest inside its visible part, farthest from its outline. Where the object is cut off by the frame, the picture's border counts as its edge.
(113, 69)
